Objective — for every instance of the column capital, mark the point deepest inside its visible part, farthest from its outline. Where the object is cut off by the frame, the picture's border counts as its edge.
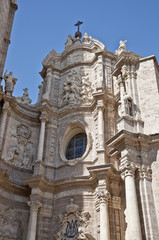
(44, 116)
(103, 196)
(100, 104)
(127, 169)
(145, 172)
(34, 205)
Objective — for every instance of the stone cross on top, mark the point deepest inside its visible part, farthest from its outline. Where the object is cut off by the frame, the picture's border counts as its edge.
(78, 34)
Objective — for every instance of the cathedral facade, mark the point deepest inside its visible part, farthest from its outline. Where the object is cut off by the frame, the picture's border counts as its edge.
(82, 163)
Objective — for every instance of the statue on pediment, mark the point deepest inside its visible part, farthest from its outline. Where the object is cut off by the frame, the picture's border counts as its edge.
(10, 82)
(122, 48)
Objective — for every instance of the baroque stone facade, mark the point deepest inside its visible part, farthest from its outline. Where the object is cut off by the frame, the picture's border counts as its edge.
(82, 163)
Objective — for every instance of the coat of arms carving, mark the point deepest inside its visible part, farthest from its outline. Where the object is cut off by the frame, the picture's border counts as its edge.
(73, 224)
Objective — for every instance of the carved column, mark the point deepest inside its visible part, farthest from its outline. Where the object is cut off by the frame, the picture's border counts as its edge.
(122, 92)
(133, 230)
(102, 201)
(147, 202)
(3, 122)
(100, 74)
(34, 207)
(48, 85)
(43, 119)
(100, 107)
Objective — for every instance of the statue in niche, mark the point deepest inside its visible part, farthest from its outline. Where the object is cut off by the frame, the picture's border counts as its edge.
(122, 48)
(10, 82)
(128, 104)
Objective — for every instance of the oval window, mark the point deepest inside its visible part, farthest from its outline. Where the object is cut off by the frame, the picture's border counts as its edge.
(77, 146)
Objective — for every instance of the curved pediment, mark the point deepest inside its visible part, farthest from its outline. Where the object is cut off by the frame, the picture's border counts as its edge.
(76, 52)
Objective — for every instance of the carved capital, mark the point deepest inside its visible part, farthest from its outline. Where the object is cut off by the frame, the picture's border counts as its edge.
(44, 117)
(34, 205)
(103, 196)
(100, 105)
(145, 172)
(127, 169)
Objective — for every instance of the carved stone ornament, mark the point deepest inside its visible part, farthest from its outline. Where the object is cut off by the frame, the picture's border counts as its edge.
(127, 168)
(23, 133)
(20, 155)
(25, 98)
(145, 172)
(103, 196)
(73, 224)
(77, 89)
(11, 225)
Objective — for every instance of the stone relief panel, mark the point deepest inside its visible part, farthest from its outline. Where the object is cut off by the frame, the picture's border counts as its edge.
(20, 150)
(77, 88)
(12, 223)
(77, 57)
(74, 224)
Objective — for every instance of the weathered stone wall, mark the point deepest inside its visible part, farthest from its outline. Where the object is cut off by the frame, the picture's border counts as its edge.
(147, 81)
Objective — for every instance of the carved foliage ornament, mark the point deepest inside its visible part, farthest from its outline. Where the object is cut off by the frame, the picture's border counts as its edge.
(73, 224)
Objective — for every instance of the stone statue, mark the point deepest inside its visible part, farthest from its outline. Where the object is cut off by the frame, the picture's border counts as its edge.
(25, 98)
(69, 41)
(122, 48)
(86, 39)
(10, 82)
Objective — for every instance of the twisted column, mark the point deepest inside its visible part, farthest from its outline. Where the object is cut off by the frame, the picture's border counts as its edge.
(133, 230)
(34, 207)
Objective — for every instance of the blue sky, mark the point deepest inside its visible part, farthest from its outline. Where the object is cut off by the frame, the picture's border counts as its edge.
(43, 25)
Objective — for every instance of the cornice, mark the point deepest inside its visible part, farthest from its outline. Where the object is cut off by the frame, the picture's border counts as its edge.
(44, 184)
(125, 138)
(12, 186)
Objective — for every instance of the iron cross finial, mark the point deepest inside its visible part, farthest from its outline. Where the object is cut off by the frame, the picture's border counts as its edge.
(78, 34)
(78, 24)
